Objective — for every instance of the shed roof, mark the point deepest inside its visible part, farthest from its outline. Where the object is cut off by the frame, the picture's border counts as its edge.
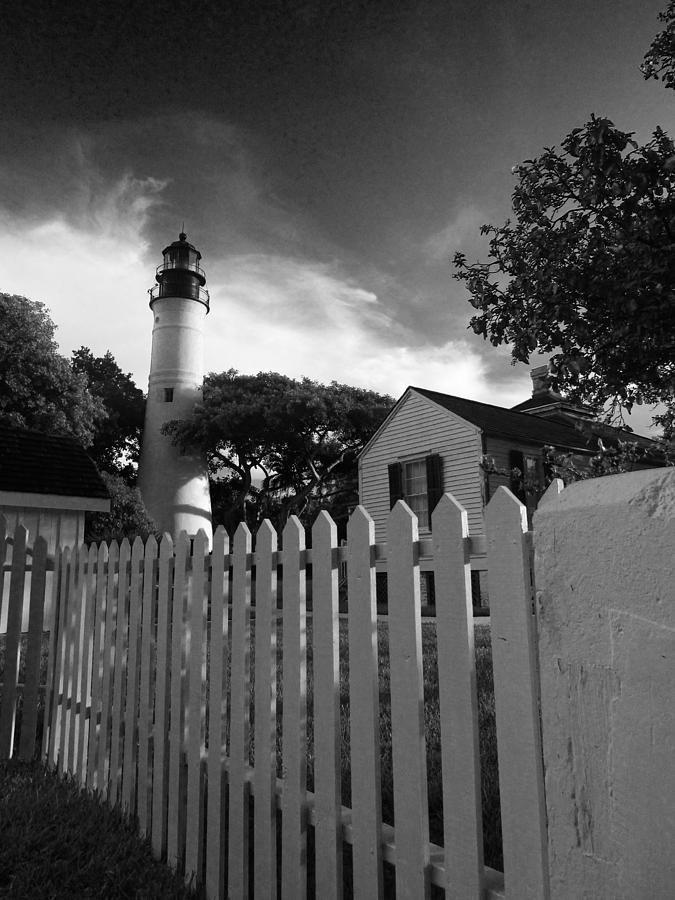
(500, 422)
(36, 463)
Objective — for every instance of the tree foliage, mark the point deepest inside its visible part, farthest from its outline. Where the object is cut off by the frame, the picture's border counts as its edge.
(127, 518)
(116, 442)
(279, 445)
(586, 270)
(659, 61)
(38, 387)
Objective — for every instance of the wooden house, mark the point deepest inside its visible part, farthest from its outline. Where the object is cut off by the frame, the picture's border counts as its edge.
(432, 442)
(47, 484)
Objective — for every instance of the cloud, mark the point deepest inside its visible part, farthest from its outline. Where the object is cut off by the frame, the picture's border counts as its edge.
(307, 319)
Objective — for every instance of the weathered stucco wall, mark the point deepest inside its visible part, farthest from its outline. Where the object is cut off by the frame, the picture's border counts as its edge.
(605, 577)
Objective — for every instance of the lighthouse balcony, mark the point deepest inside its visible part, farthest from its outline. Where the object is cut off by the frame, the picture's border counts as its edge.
(190, 290)
(185, 265)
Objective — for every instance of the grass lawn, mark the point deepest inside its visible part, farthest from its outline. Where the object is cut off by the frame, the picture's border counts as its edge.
(57, 842)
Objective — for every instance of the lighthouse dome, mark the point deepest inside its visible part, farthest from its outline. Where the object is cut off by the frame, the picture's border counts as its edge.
(179, 274)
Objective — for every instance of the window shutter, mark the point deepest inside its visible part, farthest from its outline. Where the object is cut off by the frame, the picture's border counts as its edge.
(395, 483)
(517, 461)
(434, 481)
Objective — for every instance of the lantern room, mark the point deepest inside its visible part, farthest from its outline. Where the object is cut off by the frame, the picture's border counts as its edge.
(180, 274)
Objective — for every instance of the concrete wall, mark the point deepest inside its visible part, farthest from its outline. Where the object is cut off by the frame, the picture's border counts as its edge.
(605, 577)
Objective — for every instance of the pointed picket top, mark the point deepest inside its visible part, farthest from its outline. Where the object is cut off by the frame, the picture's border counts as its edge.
(183, 540)
(293, 536)
(266, 536)
(220, 533)
(114, 548)
(324, 527)
(449, 509)
(402, 517)
(556, 487)
(201, 544)
(166, 546)
(242, 538)
(151, 545)
(125, 547)
(361, 521)
(504, 506)
(137, 546)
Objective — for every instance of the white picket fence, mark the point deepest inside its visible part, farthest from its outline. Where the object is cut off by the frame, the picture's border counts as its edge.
(149, 700)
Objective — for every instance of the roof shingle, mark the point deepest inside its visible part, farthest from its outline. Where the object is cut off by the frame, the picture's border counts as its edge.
(36, 463)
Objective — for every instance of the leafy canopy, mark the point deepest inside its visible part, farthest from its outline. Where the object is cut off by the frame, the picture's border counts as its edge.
(586, 269)
(38, 387)
(281, 444)
(116, 443)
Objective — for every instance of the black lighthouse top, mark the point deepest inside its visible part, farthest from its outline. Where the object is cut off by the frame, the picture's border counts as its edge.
(180, 275)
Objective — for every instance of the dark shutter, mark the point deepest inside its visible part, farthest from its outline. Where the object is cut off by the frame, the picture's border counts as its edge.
(395, 483)
(516, 461)
(434, 481)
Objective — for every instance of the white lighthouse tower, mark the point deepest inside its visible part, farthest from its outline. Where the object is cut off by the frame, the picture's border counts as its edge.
(174, 485)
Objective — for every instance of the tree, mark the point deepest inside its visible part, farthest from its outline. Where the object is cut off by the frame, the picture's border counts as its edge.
(659, 61)
(278, 443)
(127, 518)
(38, 388)
(116, 442)
(586, 270)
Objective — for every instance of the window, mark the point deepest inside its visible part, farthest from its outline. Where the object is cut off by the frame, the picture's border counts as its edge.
(415, 488)
(420, 483)
(168, 395)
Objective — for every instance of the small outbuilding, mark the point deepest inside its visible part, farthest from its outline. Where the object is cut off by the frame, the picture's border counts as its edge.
(47, 484)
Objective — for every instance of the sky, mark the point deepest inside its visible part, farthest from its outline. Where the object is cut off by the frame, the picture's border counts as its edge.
(327, 158)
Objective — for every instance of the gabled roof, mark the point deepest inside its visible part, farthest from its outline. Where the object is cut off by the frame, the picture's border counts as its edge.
(36, 463)
(500, 422)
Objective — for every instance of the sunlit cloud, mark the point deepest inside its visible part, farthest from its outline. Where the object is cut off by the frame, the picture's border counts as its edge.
(93, 276)
(306, 319)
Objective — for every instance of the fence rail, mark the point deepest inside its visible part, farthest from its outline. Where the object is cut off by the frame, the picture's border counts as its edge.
(164, 695)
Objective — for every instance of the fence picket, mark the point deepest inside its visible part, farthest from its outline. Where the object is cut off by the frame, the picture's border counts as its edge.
(176, 819)
(109, 662)
(326, 661)
(145, 709)
(33, 649)
(294, 715)
(460, 753)
(68, 660)
(516, 699)
(364, 707)
(411, 815)
(13, 643)
(85, 663)
(57, 693)
(217, 689)
(119, 678)
(237, 867)
(194, 724)
(265, 739)
(75, 722)
(160, 744)
(50, 691)
(97, 663)
(129, 771)
(4, 544)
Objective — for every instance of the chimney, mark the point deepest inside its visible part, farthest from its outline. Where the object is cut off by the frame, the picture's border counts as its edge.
(541, 389)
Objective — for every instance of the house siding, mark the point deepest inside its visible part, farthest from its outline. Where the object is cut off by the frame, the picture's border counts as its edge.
(60, 528)
(417, 428)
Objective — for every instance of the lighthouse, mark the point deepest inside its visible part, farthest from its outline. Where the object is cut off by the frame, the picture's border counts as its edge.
(174, 483)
